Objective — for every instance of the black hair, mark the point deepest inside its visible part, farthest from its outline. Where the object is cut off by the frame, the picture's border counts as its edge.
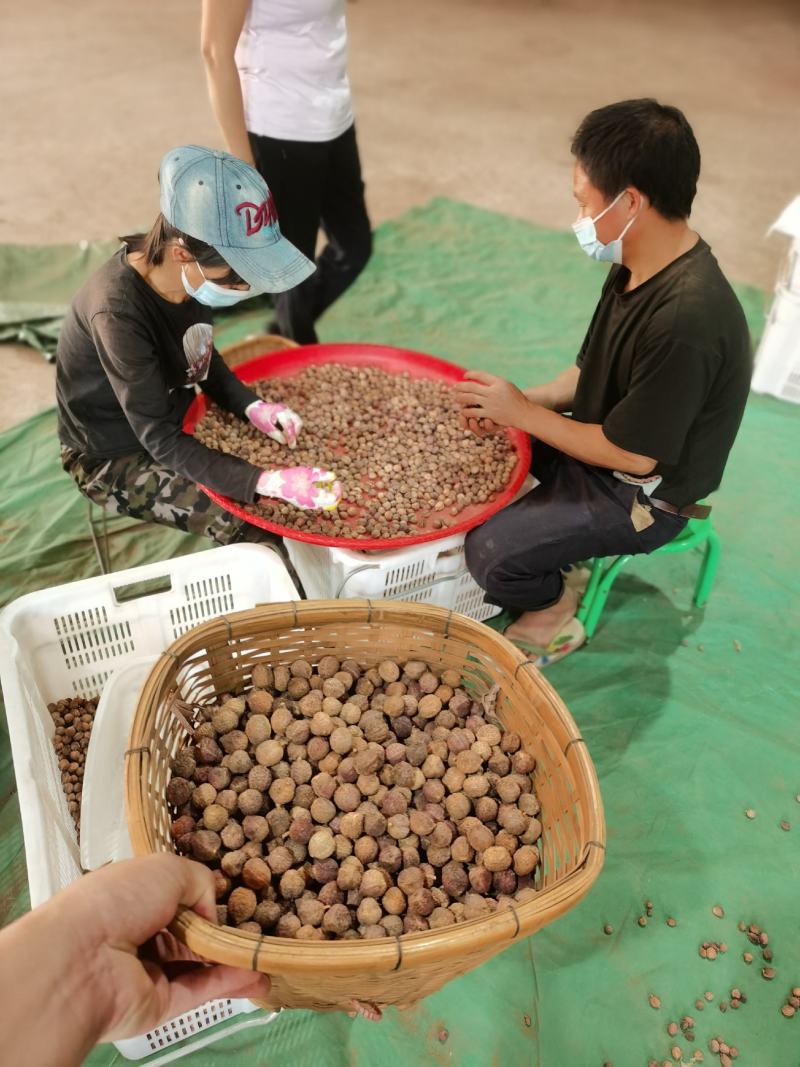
(153, 245)
(645, 144)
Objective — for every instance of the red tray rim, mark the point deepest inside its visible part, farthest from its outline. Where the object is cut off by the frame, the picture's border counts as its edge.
(287, 362)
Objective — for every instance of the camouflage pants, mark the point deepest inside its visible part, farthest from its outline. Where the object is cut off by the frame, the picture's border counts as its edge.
(136, 485)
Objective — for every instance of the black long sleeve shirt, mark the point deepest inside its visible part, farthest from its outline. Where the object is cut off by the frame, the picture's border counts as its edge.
(126, 368)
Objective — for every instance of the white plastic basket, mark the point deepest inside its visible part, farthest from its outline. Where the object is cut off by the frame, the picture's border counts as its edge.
(66, 641)
(777, 369)
(432, 573)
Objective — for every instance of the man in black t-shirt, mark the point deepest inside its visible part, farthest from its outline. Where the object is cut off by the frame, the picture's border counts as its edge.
(656, 397)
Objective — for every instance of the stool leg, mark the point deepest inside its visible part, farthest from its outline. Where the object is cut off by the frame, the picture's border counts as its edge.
(708, 569)
(590, 591)
(601, 595)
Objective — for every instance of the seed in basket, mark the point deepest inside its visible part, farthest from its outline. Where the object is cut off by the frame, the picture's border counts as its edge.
(334, 820)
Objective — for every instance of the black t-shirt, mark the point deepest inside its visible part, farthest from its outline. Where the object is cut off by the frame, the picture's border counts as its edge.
(127, 363)
(665, 369)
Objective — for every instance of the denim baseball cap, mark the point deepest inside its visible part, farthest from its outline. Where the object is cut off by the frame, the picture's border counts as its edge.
(216, 198)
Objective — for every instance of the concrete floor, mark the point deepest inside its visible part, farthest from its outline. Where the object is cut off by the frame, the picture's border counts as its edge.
(472, 99)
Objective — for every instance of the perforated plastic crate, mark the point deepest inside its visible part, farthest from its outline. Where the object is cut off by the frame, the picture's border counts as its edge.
(432, 573)
(66, 641)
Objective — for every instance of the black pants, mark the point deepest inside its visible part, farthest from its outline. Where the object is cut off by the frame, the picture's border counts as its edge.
(576, 513)
(317, 183)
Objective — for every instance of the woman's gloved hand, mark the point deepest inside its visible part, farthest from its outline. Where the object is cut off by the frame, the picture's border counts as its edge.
(309, 488)
(275, 420)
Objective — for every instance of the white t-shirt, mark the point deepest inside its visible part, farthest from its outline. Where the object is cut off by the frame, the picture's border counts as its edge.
(292, 60)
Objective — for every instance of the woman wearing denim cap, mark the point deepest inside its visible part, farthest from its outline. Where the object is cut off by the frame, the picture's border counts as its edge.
(138, 339)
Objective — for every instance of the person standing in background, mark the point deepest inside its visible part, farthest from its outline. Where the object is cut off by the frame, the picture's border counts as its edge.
(277, 79)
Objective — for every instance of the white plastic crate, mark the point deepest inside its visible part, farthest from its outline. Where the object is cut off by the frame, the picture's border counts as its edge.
(432, 573)
(777, 369)
(66, 641)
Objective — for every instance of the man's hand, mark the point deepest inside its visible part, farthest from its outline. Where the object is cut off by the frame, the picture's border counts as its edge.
(488, 402)
(275, 420)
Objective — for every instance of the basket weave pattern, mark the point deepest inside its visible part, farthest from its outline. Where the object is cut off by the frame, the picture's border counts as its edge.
(218, 657)
(250, 347)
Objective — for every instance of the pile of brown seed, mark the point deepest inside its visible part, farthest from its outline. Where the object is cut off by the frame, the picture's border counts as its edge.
(727, 1053)
(73, 719)
(709, 950)
(336, 802)
(792, 1003)
(394, 442)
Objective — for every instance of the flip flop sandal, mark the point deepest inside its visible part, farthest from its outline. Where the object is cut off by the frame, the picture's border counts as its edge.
(569, 638)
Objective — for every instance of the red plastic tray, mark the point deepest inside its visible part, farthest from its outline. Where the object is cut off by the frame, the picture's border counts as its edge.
(288, 362)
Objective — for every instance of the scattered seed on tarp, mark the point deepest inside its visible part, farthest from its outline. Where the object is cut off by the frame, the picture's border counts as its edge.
(737, 645)
(526, 1019)
(608, 929)
(655, 1002)
(672, 922)
(642, 921)
(718, 910)
(785, 825)
(750, 813)
(723, 1006)
(708, 995)
(747, 957)
(767, 954)
(700, 1005)
(788, 1011)
(443, 1035)
(672, 1029)
(768, 973)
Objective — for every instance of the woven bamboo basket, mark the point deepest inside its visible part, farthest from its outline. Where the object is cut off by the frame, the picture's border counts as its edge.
(218, 657)
(250, 347)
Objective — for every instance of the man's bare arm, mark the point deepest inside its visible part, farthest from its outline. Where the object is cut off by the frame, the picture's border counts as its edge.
(559, 394)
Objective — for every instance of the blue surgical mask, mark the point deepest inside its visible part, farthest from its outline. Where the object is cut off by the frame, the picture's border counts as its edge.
(213, 295)
(586, 233)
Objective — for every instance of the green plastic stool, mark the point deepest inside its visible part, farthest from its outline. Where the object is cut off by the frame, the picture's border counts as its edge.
(698, 533)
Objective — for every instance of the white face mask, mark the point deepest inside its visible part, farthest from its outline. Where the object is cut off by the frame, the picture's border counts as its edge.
(213, 295)
(584, 230)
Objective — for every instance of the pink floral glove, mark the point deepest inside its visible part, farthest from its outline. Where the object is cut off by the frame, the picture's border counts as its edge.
(309, 488)
(276, 421)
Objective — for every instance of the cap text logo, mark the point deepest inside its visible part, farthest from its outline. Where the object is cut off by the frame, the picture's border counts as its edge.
(258, 215)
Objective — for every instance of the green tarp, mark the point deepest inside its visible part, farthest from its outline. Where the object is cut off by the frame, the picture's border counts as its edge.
(690, 715)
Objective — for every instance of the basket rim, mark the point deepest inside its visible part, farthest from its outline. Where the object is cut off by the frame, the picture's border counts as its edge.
(385, 954)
